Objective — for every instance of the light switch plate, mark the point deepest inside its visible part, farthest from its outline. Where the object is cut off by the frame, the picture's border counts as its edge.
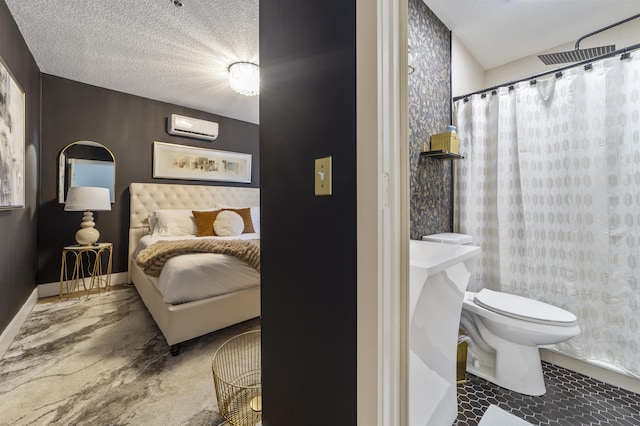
(323, 176)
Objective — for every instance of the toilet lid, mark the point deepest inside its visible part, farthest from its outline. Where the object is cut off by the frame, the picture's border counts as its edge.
(523, 308)
(449, 238)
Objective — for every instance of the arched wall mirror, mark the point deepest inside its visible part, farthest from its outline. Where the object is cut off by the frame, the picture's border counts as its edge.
(86, 163)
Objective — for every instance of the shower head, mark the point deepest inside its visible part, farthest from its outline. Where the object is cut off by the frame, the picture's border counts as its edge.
(576, 55)
(583, 54)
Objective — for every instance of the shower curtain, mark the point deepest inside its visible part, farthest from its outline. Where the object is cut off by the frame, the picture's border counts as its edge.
(550, 189)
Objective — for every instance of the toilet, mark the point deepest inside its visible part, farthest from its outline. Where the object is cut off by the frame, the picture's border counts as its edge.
(506, 330)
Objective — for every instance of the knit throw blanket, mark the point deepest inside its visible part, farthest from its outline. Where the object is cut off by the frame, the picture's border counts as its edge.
(151, 259)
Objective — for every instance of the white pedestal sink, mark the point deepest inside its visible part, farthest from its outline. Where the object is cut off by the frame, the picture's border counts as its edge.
(438, 278)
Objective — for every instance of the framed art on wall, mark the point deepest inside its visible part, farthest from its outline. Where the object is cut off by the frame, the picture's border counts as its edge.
(12, 141)
(172, 161)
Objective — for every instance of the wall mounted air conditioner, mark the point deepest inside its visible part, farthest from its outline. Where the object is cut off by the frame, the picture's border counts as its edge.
(192, 127)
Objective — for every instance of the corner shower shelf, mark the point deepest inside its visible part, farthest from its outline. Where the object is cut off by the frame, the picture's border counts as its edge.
(442, 155)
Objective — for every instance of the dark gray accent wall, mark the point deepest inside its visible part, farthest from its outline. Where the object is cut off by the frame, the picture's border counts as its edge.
(18, 228)
(308, 243)
(429, 113)
(127, 125)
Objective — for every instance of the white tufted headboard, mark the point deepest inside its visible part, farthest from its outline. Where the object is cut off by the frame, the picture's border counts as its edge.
(146, 197)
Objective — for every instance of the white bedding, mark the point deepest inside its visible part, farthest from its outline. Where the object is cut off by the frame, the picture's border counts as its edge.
(198, 276)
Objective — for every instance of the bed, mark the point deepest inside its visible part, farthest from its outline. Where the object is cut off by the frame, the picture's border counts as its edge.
(181, 320)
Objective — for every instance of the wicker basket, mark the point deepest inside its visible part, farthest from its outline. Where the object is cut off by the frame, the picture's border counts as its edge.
(237, 378)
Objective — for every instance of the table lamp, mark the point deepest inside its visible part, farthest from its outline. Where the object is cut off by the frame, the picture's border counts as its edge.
(87, 198)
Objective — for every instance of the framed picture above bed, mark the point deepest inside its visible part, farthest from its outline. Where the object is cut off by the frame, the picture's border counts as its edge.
(12, 141)
(172, 161)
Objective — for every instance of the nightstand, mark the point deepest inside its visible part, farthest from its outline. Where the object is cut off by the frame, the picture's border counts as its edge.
(86, 263)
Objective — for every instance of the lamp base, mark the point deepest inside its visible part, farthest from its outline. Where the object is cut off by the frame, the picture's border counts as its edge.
(87, 235)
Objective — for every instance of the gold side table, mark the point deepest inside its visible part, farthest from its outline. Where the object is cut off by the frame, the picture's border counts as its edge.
(91, 263)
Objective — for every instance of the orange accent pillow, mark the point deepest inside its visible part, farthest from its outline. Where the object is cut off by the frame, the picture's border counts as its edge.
(204, 221)
(246, 217)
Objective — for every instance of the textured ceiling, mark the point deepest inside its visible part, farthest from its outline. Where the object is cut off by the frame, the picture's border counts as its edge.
(180, 55)
(148, 48)
(500, 31)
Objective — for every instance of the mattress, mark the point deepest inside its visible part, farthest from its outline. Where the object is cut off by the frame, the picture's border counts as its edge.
(197, 276)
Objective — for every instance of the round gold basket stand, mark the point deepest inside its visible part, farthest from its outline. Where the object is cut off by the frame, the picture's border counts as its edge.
(237, 379)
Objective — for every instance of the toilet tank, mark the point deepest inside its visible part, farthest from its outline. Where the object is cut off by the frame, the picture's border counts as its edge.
(449, 238)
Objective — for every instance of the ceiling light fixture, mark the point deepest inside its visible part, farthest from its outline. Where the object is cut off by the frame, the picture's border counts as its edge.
(244, 78)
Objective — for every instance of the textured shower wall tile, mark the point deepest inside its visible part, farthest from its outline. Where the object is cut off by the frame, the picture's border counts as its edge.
(429, 112)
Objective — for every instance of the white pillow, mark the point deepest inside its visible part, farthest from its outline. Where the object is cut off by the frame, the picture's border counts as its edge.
(255, 218)
(228, 223)
(173, 221)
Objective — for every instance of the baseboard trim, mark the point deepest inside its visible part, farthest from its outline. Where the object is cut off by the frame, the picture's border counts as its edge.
(10, 333)
(588, 369)
(53, 289)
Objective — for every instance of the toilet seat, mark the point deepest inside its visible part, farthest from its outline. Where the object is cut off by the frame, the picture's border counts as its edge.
(523, 308)
(448, 238)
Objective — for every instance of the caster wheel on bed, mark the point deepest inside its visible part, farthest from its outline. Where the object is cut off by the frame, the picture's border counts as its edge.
(175, 349)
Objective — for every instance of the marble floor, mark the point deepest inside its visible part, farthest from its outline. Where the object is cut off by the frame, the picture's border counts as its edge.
(102, 360)
(572, 399)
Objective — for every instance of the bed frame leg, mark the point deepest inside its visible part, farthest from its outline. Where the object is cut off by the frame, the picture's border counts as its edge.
(175, 349)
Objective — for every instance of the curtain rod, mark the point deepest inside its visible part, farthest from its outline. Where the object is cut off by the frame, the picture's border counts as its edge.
(624, 51)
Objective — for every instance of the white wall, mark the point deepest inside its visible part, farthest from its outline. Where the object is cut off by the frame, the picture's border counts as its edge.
(622, 36)
(468, 76)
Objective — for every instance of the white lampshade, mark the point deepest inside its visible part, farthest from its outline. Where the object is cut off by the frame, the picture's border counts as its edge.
(80, 198)
(244, 78)
(87, 198)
